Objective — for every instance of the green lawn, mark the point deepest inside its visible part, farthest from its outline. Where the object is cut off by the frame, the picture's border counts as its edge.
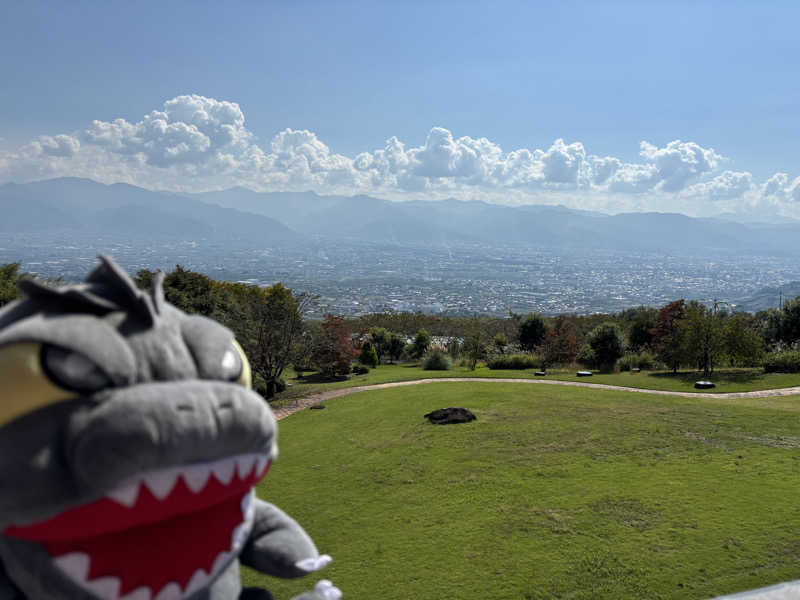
(552, 493)
(727, 380)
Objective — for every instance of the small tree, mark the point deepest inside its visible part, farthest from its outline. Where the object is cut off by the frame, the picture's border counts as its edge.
(422, 341)
(500, 342)
(474, 349)
(395, 348)
(333, 349)
(368, 355)
(606, 343)
(379, 338)
(531, 332)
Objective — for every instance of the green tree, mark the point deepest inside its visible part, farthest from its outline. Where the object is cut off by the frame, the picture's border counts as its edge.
(9, 274)
(474, 348)
(422, 342)
(276, 314)
(379, 338)
(369, 355)
(395, 348)
(607, 345)
(790, 321)
(640, 334)
(531, 331)
(704, 336)
(742, 342)
(500, 342)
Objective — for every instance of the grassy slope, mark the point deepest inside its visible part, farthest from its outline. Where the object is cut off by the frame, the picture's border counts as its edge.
(552, 493)
(730, 380)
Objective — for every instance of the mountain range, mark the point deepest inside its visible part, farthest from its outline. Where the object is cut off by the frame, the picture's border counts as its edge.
(243, 216)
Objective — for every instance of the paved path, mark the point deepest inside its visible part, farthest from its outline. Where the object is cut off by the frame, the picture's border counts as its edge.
(302, 403)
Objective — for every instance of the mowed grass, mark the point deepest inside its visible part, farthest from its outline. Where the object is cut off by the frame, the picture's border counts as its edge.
(727, 380)
(552, 493)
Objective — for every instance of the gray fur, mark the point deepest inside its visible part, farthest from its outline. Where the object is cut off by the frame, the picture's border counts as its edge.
(169, 404)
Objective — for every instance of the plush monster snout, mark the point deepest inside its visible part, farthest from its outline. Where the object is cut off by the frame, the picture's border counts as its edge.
(158, 425)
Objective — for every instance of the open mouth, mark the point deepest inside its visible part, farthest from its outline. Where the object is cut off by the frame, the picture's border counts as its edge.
(160, 535)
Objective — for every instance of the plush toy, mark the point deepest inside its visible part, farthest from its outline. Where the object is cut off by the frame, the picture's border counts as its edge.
(130, 443)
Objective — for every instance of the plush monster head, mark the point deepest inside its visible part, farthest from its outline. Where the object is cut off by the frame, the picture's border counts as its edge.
(130, 442)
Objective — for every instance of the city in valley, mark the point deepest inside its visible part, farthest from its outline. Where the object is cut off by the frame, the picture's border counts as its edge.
(358, 278)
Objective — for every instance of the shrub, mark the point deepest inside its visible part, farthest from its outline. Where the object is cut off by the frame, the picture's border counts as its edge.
(514, 361)
(437, 360)
(368, 356)
(360, 369)
(782, 361)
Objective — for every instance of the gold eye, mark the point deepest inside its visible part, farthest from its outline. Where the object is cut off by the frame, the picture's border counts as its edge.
(24, 387)
(245, 376)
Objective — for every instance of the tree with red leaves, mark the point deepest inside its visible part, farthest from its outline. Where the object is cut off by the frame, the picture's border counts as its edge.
(669, 334)
(562, 341)
(333, 348)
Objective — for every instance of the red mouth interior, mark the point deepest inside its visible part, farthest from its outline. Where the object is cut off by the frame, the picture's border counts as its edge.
(154, 542)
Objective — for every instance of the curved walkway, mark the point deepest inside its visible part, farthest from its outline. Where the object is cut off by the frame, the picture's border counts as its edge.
(302, 403)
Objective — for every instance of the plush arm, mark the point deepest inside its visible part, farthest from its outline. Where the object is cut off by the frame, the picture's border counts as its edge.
(278, 546)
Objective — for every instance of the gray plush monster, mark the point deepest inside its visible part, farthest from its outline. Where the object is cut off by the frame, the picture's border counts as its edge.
(130, 443)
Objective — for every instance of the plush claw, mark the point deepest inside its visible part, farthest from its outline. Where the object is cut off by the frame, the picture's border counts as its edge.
(309, 565)
(327, 590)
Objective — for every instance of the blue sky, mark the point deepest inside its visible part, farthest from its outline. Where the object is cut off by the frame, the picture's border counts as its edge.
(605, 75)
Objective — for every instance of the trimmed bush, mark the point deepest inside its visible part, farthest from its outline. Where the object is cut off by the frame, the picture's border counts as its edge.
(514, 361)
(437, 360)
(360, 369)
(783, 361)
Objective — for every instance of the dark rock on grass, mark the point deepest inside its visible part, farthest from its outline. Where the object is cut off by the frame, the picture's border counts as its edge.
(540, 373)
(317, 406)
(445, 416)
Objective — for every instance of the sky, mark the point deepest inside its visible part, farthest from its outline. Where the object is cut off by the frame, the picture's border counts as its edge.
(672, 106)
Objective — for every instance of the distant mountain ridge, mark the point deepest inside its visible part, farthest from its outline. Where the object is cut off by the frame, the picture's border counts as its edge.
(120, 209)
(551, 227)
(272, 219)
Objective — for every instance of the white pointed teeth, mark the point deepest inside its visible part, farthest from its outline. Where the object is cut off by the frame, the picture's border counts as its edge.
(244, 465)
(261, 465)
(196, 477)
(75, 565)
(171, 591)
(315, 563)
(161, 482)
(223, 470)
(327, 590)
(140, 593)
(126, 494)
(104, 587)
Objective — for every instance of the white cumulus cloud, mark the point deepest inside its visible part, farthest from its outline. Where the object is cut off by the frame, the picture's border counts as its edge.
(193, 143)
